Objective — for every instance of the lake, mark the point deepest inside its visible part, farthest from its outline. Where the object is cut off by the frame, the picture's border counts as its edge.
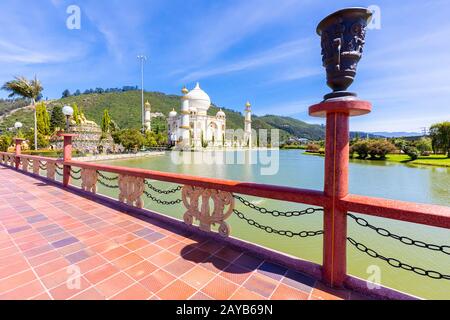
(424, 184)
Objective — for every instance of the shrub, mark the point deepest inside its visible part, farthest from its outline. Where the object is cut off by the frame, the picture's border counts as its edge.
(361, 147)
(312, 147)
(380, 148)
(412, 152)
(423, 145)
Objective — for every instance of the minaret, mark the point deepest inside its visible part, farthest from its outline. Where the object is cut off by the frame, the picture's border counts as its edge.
(248, 124)
(148, 116)
(185, 121)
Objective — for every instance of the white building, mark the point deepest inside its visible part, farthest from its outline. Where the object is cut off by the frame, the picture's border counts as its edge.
(193, 127)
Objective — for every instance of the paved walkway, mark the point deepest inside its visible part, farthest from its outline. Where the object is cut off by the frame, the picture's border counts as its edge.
(48, 236)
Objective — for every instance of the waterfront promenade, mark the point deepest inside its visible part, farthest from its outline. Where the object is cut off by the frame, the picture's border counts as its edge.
(50, 235)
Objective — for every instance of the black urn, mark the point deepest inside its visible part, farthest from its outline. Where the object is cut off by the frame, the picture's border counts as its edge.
(342, 38)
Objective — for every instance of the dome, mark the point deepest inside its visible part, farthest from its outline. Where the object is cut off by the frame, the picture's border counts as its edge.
(172, 114)
(220, 114)
(198, 99)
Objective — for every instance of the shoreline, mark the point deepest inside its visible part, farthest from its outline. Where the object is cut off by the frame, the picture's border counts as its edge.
(417, 162)
(119, 156)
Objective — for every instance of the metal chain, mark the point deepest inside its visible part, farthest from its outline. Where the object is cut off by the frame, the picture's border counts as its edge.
(277, 213)
(59, 167)
(160, 191)
(75, 171)
(107, 185)
(101, 175)
(397, 263)
(58, 173)
(403, 239)
(43, 168)
(286, 233)
(74, 177)
(163, 202)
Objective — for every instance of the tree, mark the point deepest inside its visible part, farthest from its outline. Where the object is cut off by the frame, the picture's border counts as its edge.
(76, 114)
(43, 119)
(380, 148)
(31, 89)
(411, 151)
(42, 140)
(106, 121)
(6, 141)
(131, 139)
(361, 147)
(57, 120)
(65, 94)
(423, 145)
(77, 93)
(440, 137)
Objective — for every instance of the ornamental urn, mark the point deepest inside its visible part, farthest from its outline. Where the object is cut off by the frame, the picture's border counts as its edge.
(342, 39)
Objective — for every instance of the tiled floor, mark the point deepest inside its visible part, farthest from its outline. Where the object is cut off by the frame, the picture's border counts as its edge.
(57, 245)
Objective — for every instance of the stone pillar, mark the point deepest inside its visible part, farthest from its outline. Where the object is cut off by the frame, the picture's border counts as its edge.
(18, 151)
(67, 148)
(337, 113)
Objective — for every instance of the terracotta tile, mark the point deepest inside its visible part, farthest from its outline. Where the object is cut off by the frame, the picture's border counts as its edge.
(51, 267)
(245, 294)
(17, 280)
(91, 263)
(198, 277)
(41, 296)
(166, 242)
(136, 244)
(148, 251)
(114, 285)
(24, 292)
(163, 258)
(43, 258)
(200, 296)
(104, 246)
(324, 292)
(141, 270)
(89, 294)
(261, 284)
(220, 288)
(69, 289)
(115, 253)
(127, 261)
(283, 292)
(236, 274)
(228, 254)
(157, 280)
(13, 268)
(248, 261)
(179, 267)
(135, 292)
(177, 290)
(101, 273)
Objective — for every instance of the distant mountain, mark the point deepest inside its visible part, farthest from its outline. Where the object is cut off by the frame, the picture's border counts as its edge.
(397, 134)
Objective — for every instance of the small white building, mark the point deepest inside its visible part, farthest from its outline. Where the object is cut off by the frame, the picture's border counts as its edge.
(193, 127)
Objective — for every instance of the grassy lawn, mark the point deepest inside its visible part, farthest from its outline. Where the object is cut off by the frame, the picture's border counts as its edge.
(432, 160)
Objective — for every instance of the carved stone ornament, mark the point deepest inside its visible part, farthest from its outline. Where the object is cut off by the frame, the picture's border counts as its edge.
(89, 180)
(131, 190)
(209, 207)
(51, 169)
(25, 164)
(342, 40)
(36, 166)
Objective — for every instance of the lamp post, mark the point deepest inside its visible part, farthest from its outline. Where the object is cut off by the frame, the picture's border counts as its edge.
(142, 60)
(68, 112)
(18, 125)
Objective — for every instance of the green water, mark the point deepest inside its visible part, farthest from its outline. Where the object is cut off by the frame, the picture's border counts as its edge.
(380, 179)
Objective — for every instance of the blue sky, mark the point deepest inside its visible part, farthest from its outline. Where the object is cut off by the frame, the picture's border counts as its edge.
(258, 50)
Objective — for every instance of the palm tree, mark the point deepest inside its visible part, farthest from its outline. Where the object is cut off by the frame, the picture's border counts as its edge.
(25, 88)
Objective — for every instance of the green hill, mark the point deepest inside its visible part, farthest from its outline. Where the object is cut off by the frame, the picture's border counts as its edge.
(125, 109)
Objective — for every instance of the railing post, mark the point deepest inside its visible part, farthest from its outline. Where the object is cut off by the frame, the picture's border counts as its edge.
(67, 156)
(337, 115)
(18, 151)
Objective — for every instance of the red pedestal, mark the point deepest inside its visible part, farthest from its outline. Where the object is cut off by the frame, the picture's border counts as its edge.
(18, 150)
(337, 114)
(67, 156)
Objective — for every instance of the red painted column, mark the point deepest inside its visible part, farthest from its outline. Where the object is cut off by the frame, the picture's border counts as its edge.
(18, 151)
(67, 149)
(337, 113)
